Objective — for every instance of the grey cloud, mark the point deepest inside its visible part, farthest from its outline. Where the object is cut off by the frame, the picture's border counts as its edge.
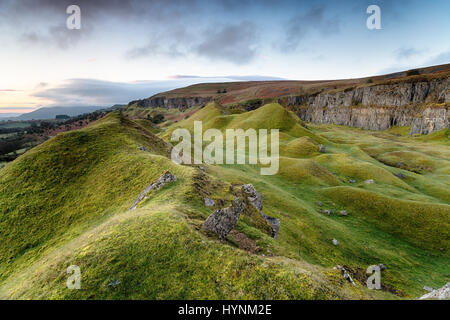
(299, 26)
(171, 41)
(93, 92)
(233, 43)
(48, 17)
(59, 36)
(405, 53)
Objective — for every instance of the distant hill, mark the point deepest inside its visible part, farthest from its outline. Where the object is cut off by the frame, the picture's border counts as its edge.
(52, 112)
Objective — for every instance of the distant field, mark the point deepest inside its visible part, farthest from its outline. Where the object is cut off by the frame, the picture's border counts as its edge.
(9, 125)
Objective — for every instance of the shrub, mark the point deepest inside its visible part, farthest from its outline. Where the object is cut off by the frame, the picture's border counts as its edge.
(413, 72)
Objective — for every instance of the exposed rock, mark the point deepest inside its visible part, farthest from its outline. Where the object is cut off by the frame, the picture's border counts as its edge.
(352, 180)
(202, 168)
(441, 294)
(254, 197)
(335, 242)
(165, 178)
(209, 202)
(256, 200)
(370, 181)
(345, 274)
(343, 213)
(380, 106)
(322, 148)
(274, 223)
(181, 103)
(223, 220)
(400, 175)
(114, 283)
(325, 211)
(429, 289)
(382, 267)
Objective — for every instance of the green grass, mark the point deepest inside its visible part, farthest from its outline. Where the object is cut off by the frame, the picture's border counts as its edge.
(65, 202)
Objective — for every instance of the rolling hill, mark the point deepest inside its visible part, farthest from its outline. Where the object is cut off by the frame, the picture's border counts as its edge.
(66, 203)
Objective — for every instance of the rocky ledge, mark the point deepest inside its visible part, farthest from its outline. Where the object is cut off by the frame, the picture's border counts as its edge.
(423, 105)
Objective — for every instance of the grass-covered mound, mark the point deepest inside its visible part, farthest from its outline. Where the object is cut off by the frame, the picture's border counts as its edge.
(425, 224)
(66, 202)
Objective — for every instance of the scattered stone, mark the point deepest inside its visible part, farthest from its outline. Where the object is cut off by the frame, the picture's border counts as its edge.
(256, 200)
(114, 283)
(429, 289)
(382, 267)
(325, 211)
(335, 242)
(209, 202)
(274, 223)
(352, 180)
(370, 181)
(142, 148)
(441, 294)
(343, 213)
(322, 148)
(319, 203)
(223, 220)
(202, 168)
(400, 175)
(345, 274)
(254, 197)
(165, 178)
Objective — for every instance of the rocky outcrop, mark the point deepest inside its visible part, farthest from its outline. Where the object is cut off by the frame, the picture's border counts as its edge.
(181, 103)
(165, 178)
(222, 221)
(379, 107)
(255, 199)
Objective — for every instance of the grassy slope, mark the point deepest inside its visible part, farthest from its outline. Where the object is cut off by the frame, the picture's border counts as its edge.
(66, 203)
(91, 177)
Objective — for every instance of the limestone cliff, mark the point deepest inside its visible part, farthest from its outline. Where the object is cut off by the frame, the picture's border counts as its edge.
(181, 103)
(423, 105)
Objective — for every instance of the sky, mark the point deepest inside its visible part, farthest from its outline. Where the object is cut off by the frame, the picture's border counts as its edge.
(130, 49)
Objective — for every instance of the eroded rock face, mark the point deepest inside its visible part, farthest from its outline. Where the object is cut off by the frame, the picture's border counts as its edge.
(181, 103)
(222, 221)
(254, 197)
(380, 107)
(256, 200)
(442, 293)
(165, 178)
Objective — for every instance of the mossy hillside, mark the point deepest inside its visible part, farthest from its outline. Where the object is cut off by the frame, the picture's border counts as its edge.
(62, 186)
(271, 116)
(424, 224)
(306, 233)
(304, 241)
(156, 254)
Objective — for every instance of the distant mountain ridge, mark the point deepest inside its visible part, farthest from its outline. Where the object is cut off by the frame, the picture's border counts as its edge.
(52, 112)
